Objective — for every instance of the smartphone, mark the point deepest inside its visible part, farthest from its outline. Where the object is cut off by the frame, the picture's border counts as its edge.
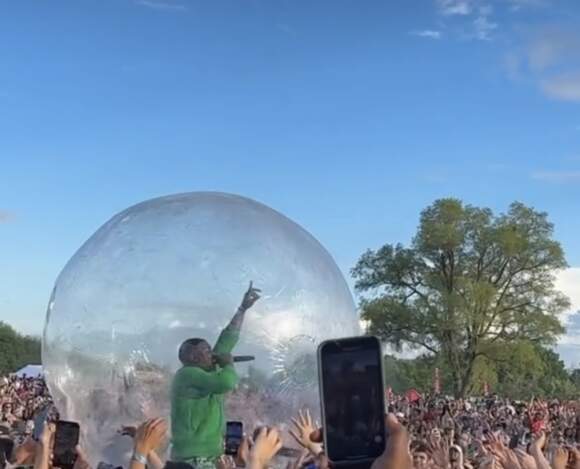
(352, 399)
(6, 450)
(234, 435)
(66, 438)
(40, 421)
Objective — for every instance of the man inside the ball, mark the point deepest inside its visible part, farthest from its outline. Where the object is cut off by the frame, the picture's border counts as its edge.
(198, 421)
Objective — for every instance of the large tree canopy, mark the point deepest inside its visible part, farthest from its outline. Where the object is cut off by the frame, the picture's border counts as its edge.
(469, 283)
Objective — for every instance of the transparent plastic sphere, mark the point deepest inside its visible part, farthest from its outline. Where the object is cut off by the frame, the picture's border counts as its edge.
(177, 267)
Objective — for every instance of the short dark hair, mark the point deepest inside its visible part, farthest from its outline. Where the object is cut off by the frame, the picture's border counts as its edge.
(420, 447)
(186, 346)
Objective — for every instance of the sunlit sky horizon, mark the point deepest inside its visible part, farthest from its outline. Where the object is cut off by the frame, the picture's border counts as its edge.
(347, 117)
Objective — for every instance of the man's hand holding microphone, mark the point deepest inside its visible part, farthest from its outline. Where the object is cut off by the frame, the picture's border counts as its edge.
(225, 359)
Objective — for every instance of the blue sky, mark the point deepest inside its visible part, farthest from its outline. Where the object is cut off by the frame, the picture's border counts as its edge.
(348, 116)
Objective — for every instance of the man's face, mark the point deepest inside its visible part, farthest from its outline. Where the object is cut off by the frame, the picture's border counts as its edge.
(435, 436)
(201, 355)
(420, 460)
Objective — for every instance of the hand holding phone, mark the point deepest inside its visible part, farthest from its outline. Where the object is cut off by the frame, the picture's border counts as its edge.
(66, 439)
(353, 400)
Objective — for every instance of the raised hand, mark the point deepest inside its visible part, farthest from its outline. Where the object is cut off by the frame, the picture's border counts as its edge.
(267, 444)
(304, 428)
(560, 458)
(250, 297)
(526, 460)
(223, 359)
(243, 455)
(82, 461)
(536, 448)
(150, 435)
(47, 436)
(396, 455)
(575, 457)
(43, 457)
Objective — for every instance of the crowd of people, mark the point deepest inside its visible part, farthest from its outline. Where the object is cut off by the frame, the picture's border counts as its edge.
(20, 398)
(424, 433)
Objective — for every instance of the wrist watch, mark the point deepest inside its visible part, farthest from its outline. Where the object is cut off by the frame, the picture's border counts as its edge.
(140, 458)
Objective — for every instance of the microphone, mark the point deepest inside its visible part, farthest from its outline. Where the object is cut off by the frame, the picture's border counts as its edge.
(243, 358)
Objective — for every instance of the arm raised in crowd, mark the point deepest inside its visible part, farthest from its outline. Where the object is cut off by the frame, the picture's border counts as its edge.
(149, 436)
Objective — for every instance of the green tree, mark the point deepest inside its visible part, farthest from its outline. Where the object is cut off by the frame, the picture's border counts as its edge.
(16, 350)
(470, 282)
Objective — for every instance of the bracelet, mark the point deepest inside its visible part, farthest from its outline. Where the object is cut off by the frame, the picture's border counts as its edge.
(140, 458)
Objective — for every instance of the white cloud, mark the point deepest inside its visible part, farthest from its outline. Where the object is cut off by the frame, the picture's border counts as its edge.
(483, 27)
(565, 87)
(550, 60)
(476, 14)
(427, 33)
(568, 282)
(455, 7)
(160, 5)
(559, 177)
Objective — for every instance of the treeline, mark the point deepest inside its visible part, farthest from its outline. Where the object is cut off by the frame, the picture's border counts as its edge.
(520, 371)
(17, 350)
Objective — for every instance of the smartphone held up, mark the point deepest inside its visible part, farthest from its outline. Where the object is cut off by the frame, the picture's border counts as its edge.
(66, 439)
(352, 399)
(234, 436)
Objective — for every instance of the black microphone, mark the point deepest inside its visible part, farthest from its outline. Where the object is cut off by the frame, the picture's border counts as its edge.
(243, 358)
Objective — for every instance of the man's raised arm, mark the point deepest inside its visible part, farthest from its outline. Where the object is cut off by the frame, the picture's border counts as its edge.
(250, 297)
(229, 336)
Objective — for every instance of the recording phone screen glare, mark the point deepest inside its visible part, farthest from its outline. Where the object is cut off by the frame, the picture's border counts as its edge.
(353, 399)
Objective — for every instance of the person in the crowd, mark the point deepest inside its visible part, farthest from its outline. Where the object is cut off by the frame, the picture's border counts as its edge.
(421, 456)
(198, 420)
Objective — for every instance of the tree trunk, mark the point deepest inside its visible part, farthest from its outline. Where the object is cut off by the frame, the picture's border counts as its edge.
(461, 366)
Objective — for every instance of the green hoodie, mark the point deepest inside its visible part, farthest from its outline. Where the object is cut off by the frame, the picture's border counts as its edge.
(198, 422)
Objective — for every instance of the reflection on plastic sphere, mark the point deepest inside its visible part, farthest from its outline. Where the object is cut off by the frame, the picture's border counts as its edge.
(177, 267)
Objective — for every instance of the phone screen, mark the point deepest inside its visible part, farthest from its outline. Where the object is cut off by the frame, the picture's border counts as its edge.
(40, 421)
(353, 403)
(234, 435)
(6, 449)
(66, 438)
